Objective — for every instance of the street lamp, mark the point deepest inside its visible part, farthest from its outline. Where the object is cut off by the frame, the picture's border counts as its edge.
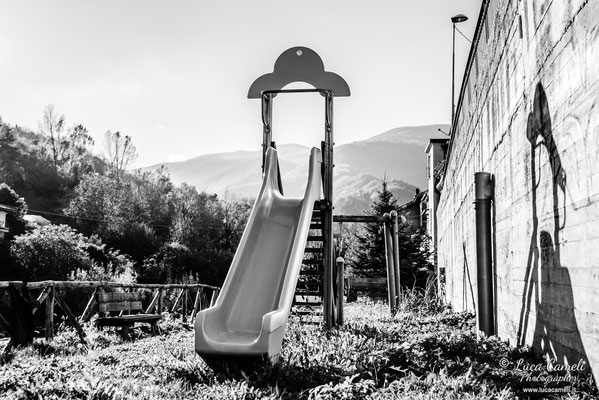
(456, 19)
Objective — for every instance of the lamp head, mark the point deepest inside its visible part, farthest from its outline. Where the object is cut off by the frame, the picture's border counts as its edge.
(456, 19)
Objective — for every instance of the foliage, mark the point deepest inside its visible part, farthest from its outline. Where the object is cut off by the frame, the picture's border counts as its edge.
(236, 212)
(57, 252)
(17, 226)
(198, 225)
(52, 128)
(44, 166)
(115, 210)
(107, 265)
(143, 214)
(120, 152)
(140, 213)
(171, 263)
(67, 149)
(9, 197)
(369, 254)
(426, 356)
(11, 168)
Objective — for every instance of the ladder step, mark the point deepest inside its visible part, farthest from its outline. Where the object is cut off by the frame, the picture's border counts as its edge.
(307, 312)
(310, 282)
(314, 250)
(310, 273)
(308, 293)
(315, 226)
(312, 262)
(315, 238)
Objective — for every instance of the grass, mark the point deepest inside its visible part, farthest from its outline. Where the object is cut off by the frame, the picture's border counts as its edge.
(419, 355)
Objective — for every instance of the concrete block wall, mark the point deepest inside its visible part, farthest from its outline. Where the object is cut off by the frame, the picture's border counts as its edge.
(529, 114)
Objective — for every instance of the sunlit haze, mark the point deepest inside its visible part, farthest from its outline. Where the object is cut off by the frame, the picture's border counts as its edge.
(175, 75)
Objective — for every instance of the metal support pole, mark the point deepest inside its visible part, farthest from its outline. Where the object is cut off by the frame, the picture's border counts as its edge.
(452, 80)
(266, 124)
(483, 188)
(395, 237)
(340, 276)
(390, 267)
(329, 248)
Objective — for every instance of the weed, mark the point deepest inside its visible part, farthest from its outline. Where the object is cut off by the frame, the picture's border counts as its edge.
(421, 352)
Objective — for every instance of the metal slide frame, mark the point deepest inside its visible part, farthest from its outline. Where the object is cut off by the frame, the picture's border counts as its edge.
(301, 64)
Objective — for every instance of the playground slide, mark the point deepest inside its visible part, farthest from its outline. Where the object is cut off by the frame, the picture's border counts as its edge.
(249, 316)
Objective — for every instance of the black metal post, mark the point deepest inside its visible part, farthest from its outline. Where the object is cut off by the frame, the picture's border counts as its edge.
(329, 250)
(483, 188)
(387, 229)
(452, 80)
(266, 124)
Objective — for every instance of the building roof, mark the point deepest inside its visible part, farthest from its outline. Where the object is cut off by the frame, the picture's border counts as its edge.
(435, 141)
(416, 200)
(6, 208)
(36, 219)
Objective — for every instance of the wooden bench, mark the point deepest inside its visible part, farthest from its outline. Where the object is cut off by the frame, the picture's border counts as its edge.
(372, 287)
(128, 308)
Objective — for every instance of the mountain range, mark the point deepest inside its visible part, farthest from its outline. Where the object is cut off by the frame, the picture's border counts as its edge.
(397, 154)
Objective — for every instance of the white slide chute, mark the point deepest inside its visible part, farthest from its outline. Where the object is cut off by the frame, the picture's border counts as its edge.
(250, 314)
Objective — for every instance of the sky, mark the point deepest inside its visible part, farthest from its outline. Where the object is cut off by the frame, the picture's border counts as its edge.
(174, 75)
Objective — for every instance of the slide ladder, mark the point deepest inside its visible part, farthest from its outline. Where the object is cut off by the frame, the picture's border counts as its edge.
(309, 290)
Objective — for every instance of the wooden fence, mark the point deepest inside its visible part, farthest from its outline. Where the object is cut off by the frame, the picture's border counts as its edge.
(50, 294)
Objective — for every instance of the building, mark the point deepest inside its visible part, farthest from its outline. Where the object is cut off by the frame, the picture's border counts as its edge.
(412, 211)
(4, 227)
(528, 113)
(436, 151)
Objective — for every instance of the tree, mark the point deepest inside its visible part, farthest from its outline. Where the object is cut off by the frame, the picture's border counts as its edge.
(198, 225)
(8, 197)
(370, 253)
(11, 168)
(101, 203)
(120, 152)
(52, 128)
(133, 213)
(236, 212)
(152, 194)
(414, 256)
(414, 249)
(78, 159)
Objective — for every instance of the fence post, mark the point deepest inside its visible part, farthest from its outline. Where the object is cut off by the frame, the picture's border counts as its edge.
(184, 308)
(215, 293)
(160, 301)
(50, 313)
(340, 282)
(197, 305)
(89, 309)
(395, 236)
(390, 267)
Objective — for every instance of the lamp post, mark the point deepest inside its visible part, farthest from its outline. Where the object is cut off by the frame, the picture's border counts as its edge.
(456, 19)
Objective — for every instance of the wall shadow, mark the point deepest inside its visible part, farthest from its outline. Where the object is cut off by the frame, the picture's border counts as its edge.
(466, 277)
(547, 299)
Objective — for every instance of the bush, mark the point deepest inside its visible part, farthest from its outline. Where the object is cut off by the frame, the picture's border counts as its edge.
(172, 263)
(58, 252)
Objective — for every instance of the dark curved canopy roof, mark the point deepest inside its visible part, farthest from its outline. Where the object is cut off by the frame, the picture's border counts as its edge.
(299, 64)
